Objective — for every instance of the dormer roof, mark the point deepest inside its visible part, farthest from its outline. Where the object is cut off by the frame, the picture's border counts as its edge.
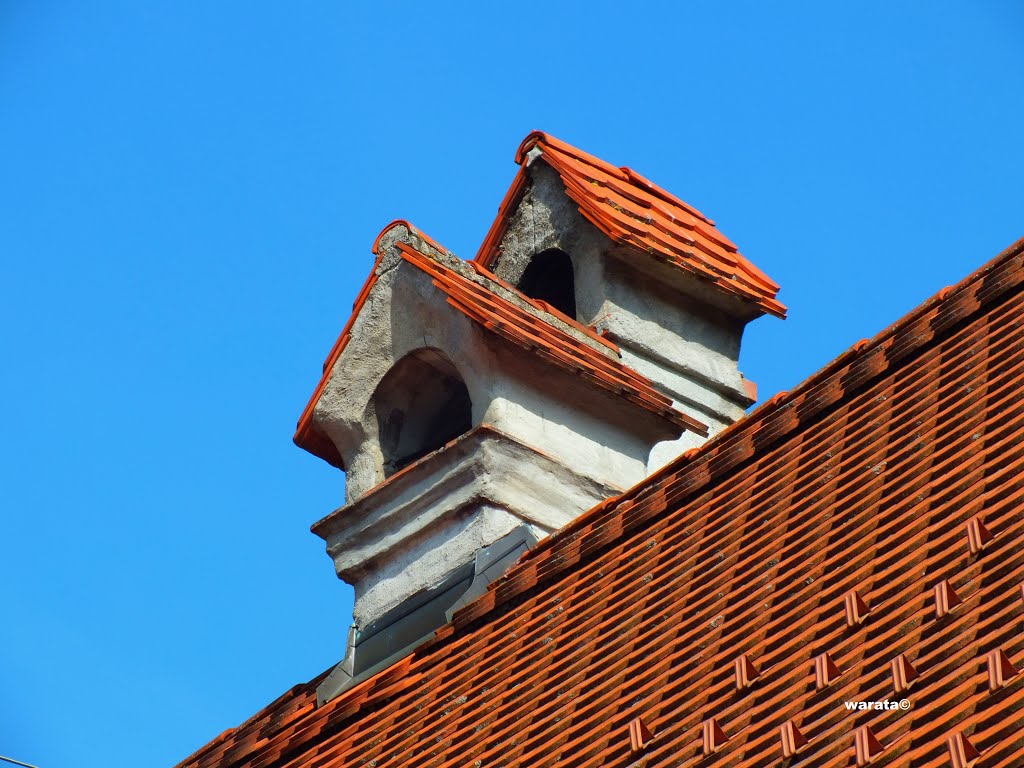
(532, 331)
(307, 436)
(633, 211)
(502, 310)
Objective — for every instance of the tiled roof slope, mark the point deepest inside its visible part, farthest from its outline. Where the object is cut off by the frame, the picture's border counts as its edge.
(634, 211)
(480, 301)
(863, 532)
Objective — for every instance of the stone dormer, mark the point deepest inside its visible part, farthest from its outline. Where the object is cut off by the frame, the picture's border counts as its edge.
(643, 268)
(477, 407)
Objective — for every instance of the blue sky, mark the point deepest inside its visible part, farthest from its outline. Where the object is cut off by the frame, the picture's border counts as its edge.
(188, 195)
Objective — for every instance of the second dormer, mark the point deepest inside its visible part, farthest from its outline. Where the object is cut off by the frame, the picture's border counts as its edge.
(644, 269)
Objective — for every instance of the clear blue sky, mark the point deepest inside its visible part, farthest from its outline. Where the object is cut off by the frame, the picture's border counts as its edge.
(188, 195)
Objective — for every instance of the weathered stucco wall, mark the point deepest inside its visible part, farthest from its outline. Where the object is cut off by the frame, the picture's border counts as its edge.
(557, 446)
(410, 534)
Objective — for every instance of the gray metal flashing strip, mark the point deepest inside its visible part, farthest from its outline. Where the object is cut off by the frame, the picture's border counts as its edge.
(402, 630)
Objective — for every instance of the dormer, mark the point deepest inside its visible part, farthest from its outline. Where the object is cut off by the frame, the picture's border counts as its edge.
(467, 416)
(478, 406)
(643, 268)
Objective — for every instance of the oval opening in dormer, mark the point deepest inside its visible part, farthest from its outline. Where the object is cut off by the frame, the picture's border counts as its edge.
(421, 404)
(549, 277)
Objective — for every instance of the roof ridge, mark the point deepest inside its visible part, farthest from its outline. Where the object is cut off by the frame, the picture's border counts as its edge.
(624, 172)
(540, 137)
(664, 194)
(268, 712)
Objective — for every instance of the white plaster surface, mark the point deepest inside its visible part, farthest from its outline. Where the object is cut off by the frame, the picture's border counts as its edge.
(410, 534)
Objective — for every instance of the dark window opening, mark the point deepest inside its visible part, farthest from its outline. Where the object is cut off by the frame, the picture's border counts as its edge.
(421, 404)
(549, 277)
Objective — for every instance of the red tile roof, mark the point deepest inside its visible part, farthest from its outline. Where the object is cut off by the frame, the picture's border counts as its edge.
(634, 211)
(530, 330)
(866, 478)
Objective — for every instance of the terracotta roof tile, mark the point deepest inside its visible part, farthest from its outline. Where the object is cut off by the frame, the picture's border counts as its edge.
(746, 673)
(634, 211)
(962, 753)
(1000, 670)
(855, 607)
(867, 745)
(978, 536)
(904, 673)
(712, 736)
(862, 478)
(639, 734)
(792, 738)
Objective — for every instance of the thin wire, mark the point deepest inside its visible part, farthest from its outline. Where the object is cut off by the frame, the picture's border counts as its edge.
(17, 762)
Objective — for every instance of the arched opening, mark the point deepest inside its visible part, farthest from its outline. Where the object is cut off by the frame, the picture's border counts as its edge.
(420, 404)
(549, 277)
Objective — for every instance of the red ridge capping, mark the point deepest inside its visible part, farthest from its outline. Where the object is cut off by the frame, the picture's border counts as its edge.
(545, 307)
(639, 389)
(819, 392)
(632, 210)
